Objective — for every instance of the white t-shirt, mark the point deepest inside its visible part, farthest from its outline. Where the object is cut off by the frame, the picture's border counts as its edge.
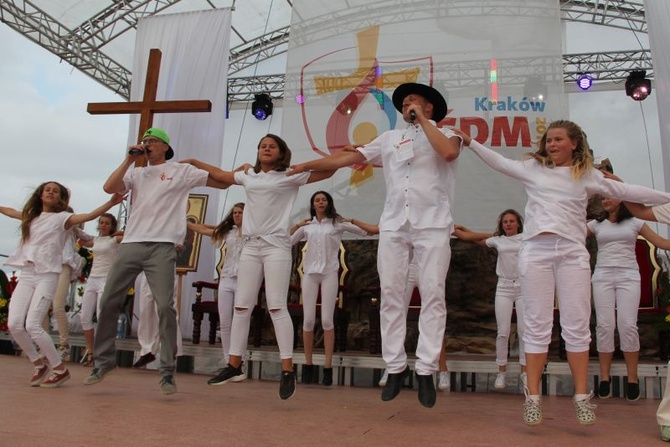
(419, 189)
(104, 253)
(507, 265)
(662, 213)
(44, 247)
(323, 243)
(270, 198)
(159, 201)
(234, 244)
(557, 203)
(616, 242)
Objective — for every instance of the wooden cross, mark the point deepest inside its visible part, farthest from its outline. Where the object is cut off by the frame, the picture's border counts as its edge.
(149, 106)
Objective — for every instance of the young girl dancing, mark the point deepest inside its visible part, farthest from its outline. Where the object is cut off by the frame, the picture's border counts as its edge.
(267, 250)
(323, 233)
(228, 232)
(558, 178)
(104, 248)
(506, 240)
(44, 232)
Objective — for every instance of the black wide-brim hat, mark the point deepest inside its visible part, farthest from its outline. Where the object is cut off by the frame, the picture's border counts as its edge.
(432, 96)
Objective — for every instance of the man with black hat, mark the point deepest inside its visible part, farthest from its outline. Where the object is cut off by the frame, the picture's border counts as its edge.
(419, 165)
(157, 222)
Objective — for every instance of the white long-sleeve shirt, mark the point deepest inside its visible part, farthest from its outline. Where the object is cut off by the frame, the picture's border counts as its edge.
(323, 243)
(556, 202)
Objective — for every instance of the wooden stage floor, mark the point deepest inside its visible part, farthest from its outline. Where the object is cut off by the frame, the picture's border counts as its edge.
(127, 409)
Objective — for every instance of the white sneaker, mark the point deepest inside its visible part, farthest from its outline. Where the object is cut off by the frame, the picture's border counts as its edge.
(585, 409)
(524, 379)
(443, 383)
(385, 378)
(500, 381)
(64, 353)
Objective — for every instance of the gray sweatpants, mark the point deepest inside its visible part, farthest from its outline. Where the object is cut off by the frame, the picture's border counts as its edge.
(157, 260)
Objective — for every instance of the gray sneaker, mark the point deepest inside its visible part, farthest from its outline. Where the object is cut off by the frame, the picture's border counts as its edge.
(168, 385)
(97, 376)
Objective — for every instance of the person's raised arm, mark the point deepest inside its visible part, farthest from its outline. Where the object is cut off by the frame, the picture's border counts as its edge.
(466, 234)
(654, 238)
(448, 148)
(368, 228)
(114, 182)
(218, 178)
(493, 159)
(77, 219)
(641, 211)
(200, 228)
(329, 163)
(10, 212)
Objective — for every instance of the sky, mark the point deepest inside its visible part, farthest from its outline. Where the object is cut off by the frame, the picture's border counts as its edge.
(46, 133)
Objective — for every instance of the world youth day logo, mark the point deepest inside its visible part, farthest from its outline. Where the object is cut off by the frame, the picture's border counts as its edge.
(352, 105)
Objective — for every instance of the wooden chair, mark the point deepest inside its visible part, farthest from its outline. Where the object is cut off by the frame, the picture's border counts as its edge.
(199, 308)
(341, 317)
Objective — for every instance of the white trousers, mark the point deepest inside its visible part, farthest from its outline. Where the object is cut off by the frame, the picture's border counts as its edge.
(432, 254)
(147, 326)
(616, 288)
(261, 260)
(550, 266)
(29, 305)
(90, 302)
(329, 283)
(508, 296)
(226, 304)
(663, 412)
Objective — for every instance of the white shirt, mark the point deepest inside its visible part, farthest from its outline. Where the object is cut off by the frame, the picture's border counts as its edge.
(616, 242)
(557, 203)
(234, 244)
(323, 243)
(270, 198)
(662, 213)
(159, 201)
(104, 253)
(44, 247)
(507, 265)
(420, 189)
(70, 255)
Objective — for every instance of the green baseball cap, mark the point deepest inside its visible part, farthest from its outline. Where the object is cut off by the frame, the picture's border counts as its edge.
(161, 135)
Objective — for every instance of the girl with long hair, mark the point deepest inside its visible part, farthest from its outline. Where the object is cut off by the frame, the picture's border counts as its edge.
(323, 233)
(506, 240)
(104, 248)
(45, 224)
(228, 232)
(558, 178)
(266, 253)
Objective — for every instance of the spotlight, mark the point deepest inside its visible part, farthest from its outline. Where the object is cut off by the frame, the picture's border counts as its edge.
(584, 82)
(261, 108)
(637, 86)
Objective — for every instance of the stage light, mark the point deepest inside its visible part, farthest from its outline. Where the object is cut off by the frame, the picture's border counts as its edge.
(584, 82)
(261, 108)
(300, 99)
(638, 86)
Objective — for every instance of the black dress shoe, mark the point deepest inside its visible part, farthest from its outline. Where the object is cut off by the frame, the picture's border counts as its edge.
(393, 384)
(144, 360)
(426, 390)
(328, 376)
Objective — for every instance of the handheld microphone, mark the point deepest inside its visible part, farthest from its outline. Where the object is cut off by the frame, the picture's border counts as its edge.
(412, 115)
(135, 152)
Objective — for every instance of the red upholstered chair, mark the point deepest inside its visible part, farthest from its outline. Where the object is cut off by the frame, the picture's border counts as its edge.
(341, 317)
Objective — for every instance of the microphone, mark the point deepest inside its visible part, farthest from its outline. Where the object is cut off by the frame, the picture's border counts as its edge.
(412, 115)
(136, 151)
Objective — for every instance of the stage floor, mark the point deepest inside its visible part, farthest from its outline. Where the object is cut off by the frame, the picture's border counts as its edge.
(127, 409)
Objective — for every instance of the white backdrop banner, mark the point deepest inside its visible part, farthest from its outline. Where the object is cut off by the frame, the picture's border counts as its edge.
(658, 16)
(194, 65)
(498, 64)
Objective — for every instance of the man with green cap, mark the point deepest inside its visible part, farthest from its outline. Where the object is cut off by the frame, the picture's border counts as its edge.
(157, 222)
